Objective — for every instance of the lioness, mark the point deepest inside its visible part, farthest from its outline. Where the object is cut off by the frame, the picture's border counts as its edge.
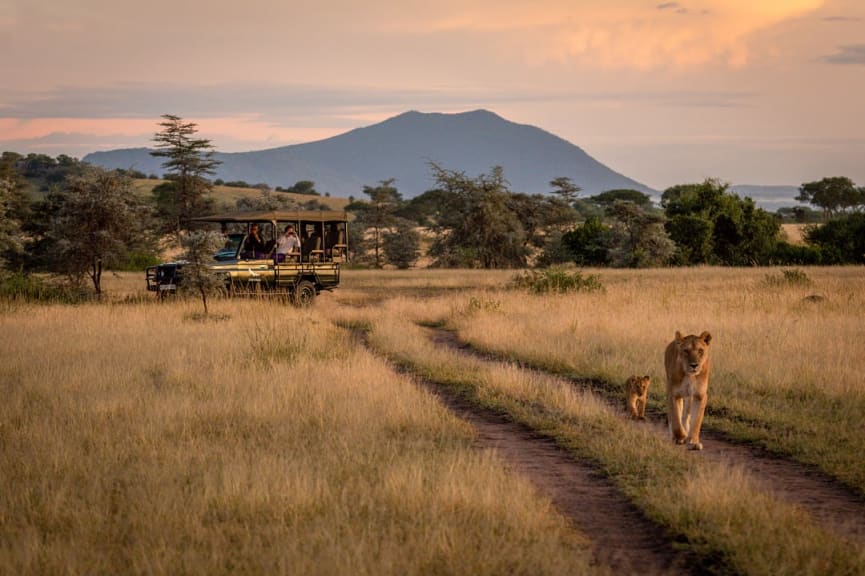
(637, 393)
(687, 362)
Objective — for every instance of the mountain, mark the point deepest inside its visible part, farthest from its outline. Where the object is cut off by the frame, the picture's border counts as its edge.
(401, 148)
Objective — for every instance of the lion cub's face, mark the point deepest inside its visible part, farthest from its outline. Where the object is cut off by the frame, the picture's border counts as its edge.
(639, 385)
(693, 351)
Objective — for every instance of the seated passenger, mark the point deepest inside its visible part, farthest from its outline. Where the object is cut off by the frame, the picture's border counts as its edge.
(254, 247)
(288, 245)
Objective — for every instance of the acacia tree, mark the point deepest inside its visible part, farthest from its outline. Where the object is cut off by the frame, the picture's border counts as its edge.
(266, 201)
(99, 220)
(401, 244)
(610, 197)
(378, 214)
(833, 195)
(638, 238)
(565, 189)
(539, 215)
(478, 226)
(711, 225)
(305, 187)
(197, 275)
(189, 161)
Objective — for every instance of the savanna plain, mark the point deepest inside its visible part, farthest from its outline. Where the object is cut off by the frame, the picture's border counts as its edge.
(139, 436)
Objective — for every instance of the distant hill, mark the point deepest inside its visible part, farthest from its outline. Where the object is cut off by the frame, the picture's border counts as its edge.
(769, 198)
(401, 148)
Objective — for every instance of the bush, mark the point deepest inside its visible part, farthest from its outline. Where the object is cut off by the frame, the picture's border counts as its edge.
(401, 246)
(842, 241)
(557, 281)
(137, 262)
(589, 244)
(793, 277)
(788, 254)
(27, 288)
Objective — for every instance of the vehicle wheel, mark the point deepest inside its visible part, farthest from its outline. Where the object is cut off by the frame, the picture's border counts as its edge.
(304, 293)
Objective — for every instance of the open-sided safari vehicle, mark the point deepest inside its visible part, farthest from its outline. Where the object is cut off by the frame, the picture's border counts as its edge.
(261, 272)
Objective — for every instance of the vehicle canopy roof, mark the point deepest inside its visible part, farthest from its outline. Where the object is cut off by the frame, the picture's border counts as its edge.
(277, 216)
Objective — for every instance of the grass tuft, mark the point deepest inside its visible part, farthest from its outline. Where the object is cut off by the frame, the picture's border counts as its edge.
(556, 281)
(784, 278)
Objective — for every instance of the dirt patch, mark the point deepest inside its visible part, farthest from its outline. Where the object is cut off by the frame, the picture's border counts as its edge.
(835, 506)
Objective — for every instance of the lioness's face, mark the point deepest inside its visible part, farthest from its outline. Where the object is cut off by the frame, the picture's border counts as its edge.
(642, 385)
(694, 352)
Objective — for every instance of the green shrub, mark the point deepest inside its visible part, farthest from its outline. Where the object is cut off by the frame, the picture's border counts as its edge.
(28, 288)
(557, 281)
(841, 240)
(793, 277)
(138, 262)
(789, 254)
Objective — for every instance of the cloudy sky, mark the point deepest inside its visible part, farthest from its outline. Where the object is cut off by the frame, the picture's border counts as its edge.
(748, 91)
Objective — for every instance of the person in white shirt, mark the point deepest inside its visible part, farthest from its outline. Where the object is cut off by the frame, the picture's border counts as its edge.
(288, 244)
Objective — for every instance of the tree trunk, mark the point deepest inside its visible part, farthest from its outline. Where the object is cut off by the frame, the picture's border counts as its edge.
(96, 276)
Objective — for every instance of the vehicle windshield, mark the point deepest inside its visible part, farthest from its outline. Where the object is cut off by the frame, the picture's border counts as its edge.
(232, 243)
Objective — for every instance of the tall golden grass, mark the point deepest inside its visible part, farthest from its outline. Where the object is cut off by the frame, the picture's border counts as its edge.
(143, 438)
(720, 509)
(786, 370)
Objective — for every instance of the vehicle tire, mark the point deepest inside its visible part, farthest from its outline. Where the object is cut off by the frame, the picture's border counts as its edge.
(304, 294)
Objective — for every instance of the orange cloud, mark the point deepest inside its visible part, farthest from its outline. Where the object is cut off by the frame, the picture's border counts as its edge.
(636, 34)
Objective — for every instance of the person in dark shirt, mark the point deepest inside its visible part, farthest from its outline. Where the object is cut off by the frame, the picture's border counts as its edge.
(254, 244)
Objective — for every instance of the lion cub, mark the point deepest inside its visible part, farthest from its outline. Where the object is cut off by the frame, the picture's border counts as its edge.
(688, 364)
(637, 391)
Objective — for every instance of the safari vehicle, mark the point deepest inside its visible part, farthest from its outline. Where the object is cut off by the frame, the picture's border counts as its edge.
(299, 278)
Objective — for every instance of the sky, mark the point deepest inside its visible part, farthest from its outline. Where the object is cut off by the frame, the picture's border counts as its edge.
(763, 92)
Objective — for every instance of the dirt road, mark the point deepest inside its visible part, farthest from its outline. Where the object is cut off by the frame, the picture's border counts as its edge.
(624, 539)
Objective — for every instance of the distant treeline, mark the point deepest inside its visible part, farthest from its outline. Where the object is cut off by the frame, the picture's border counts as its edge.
(49, 226)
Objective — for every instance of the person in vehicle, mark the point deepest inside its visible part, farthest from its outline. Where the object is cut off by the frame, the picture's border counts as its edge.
(288, 245)
(254, 244)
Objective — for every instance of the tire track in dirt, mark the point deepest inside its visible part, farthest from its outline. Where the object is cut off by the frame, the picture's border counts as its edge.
(623, 539)
(832, 504)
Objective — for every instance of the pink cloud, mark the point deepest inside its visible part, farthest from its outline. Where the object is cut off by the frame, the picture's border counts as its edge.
(228, 134)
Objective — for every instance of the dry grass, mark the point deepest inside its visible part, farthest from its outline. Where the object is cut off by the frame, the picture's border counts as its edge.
(144, 439)
(719, 509)
(785, 370)
(793, 233)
